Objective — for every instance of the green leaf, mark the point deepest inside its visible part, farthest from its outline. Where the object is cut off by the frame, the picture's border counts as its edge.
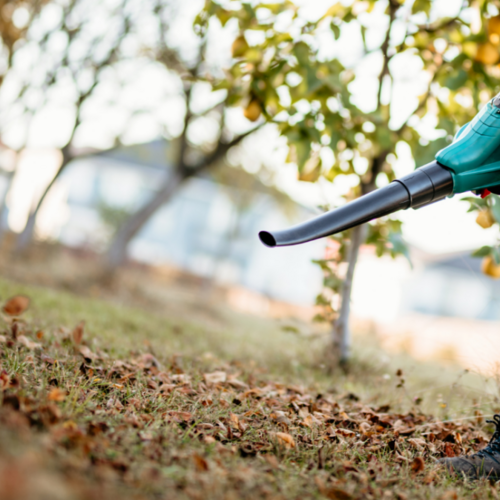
(421, 6)
(335, 29)
(483, 251)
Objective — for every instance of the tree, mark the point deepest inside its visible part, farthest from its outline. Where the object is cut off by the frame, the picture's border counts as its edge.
(15, 21)
(76, 69)
(286, 78)
(196, 72)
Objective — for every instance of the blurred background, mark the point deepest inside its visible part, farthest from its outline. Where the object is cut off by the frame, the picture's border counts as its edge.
(143, 145)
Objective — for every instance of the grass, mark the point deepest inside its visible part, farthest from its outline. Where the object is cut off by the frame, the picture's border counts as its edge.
(156, 403)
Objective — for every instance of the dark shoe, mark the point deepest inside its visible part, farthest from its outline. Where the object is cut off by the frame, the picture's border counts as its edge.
(484, 463)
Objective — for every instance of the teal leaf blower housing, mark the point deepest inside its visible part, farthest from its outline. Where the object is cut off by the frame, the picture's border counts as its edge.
(470, 163)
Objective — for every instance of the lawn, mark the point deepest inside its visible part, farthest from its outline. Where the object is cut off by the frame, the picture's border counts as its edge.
(104, 398)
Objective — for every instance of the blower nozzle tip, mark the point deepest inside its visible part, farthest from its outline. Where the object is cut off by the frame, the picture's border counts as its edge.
(267, 239)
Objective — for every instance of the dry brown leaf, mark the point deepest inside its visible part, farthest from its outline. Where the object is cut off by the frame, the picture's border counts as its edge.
(417, 465)
(345, 432)
(365, 427)
(200, 463)
(234, 419)
(28, 343)
(77, 333)
(308, 421)
(448, 450)
(16, 305)
(181, 378)
(280, 417)
(334, 493)
(3, 339)
(272, 460)
(285, 439)
(86, 352)
(449, 495)
(181, 416)
(418, 443)
(57, 394)
(215, 378)
(237, 384)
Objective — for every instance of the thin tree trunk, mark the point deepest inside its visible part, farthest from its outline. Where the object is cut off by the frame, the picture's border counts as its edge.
(26, 236)
(341, 335)
(117, 251)
(3, 204)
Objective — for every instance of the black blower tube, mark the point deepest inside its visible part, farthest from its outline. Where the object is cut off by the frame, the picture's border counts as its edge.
(425, 185)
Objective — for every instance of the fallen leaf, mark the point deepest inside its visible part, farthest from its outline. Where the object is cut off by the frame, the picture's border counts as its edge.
(180, 416)
(57, 394)
(215, 378)
(417, 465)
(28, 343)
(272, 461)
(308, 421)
(146, 436)
(345, 432)
(237, 384)
(77, 333)
(87, 353)
(448, 450)
(449, 495)
(200, 463)
(285, 439)
(334, 493)
(417, 443)
(16, 305)
(365, 427)
(180, 378)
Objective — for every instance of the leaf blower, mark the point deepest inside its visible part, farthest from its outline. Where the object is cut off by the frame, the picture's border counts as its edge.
(470, 163)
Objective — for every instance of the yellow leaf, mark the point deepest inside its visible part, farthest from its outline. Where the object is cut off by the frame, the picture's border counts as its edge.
(334, 10)
(494, 26)
(285, 439)
(240, 46)
(487, 53)
(490, 268)
(485, 219)
(253, 111)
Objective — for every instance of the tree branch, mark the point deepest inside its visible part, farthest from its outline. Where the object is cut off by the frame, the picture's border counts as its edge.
(393, 8)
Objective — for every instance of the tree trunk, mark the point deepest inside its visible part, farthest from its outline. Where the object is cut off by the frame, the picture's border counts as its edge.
(341, 335)
(24, 239)
(3, 204)
(117, 251)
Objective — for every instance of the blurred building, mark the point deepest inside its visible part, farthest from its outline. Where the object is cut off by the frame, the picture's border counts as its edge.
(209, 228)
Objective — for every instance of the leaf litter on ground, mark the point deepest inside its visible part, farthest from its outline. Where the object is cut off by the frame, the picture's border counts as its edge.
(77, 423)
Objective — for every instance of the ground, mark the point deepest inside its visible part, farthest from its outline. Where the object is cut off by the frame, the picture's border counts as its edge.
(118, 395)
